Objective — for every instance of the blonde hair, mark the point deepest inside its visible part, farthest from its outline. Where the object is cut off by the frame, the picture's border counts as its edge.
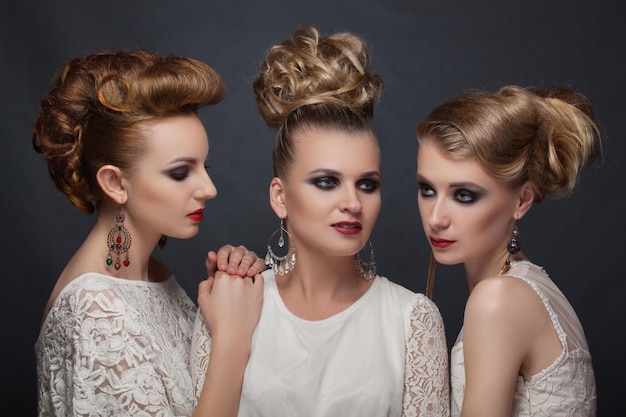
(545, 136)
(93, 112)
(315, 82)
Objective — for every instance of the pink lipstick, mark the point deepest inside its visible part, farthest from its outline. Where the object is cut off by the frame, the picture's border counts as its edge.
(348, 228)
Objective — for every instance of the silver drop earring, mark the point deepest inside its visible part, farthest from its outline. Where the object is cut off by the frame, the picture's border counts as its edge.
(367, 270)
(281, 264)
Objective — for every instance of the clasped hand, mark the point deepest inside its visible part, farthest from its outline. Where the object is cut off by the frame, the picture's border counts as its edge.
(231, 298)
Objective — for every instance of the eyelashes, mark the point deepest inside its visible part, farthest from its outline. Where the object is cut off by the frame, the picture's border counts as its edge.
(462, 195)
(466, 196)
(367, 185)
(425, 190)
(325, 183)
(179, 174)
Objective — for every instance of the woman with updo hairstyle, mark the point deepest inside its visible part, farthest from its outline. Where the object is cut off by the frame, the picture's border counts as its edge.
(483, 160)
(121, 136)
(334, 337)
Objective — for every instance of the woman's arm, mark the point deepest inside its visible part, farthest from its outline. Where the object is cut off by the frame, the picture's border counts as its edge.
(230, 307)
(96, 357)
(426, 381)
(499, 328)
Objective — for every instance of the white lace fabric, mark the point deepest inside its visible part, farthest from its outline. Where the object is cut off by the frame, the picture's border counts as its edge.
(426, 381)
(115, 347)
(385, 355)
(564, 388)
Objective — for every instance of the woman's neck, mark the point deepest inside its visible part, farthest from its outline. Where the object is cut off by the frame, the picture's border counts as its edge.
(480, 269)
(321, 286)
(94, 252)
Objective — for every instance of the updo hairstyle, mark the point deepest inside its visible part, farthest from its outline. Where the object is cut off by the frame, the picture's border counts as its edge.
(94, 111)
(543, 136)
(315, 82)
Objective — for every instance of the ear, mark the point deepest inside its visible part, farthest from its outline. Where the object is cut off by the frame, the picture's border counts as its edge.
(110, 180)
(525, 200)
(278, 197)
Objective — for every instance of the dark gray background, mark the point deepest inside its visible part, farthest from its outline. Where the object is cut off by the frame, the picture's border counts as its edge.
(426, 51)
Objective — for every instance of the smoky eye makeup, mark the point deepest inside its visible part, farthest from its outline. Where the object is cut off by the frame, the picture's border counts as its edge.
(425, 189)
(466, 196)
(178, 173)
(180, 168)
(325, 182)
(369, 185)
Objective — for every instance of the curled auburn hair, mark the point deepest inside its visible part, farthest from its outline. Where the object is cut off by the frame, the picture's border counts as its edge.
(311, 81)
(93, 113)
(545, 136)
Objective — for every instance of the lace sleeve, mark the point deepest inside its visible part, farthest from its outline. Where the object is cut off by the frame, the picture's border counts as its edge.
(97, 360)
(426, 381)
(200, 353)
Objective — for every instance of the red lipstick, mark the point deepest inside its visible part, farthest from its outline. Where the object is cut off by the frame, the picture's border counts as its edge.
(348, 228)
(196, 216)
(440, 243)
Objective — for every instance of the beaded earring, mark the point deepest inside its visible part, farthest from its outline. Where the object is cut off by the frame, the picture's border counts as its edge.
(513, 247)
(118, 241)
(281, 264)
(367, 270)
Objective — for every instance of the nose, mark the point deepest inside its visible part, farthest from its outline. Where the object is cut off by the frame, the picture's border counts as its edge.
(207, 189)
(438, 217)
(350, 200)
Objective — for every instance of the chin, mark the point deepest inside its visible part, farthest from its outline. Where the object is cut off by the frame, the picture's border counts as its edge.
(446, 260)
(188, 235)
(341, 252)
(192, 234)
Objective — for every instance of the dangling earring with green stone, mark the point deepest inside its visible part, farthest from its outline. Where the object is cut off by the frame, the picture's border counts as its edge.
(118, 241)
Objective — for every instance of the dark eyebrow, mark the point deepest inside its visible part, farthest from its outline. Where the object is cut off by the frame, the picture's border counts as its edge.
(186, 159)
(466, 184)
(463, 184)
(327, 171)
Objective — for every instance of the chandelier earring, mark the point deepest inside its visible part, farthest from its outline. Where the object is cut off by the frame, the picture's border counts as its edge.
(367, 270)
(513, 247)
(118, 241)
(281, 264)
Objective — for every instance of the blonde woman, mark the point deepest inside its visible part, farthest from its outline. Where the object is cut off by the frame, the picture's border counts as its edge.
(335, 338)
(484, 159)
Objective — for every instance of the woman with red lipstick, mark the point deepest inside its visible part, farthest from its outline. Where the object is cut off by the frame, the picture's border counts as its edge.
(483, 160)
(334, 338)
(121, 136)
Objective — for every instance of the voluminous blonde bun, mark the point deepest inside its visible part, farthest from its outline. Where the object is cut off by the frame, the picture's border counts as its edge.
(310, 69)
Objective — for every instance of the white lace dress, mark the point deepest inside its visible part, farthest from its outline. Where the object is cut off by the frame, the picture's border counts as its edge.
(567, 386)
(385, 355)
(116, 347)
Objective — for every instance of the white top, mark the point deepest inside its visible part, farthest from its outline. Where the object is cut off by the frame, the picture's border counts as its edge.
(385, 355)
(567, 386)
(116, 347)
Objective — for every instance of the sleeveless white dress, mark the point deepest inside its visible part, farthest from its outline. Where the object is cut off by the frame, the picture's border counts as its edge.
(564, 388)
(385, 355)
